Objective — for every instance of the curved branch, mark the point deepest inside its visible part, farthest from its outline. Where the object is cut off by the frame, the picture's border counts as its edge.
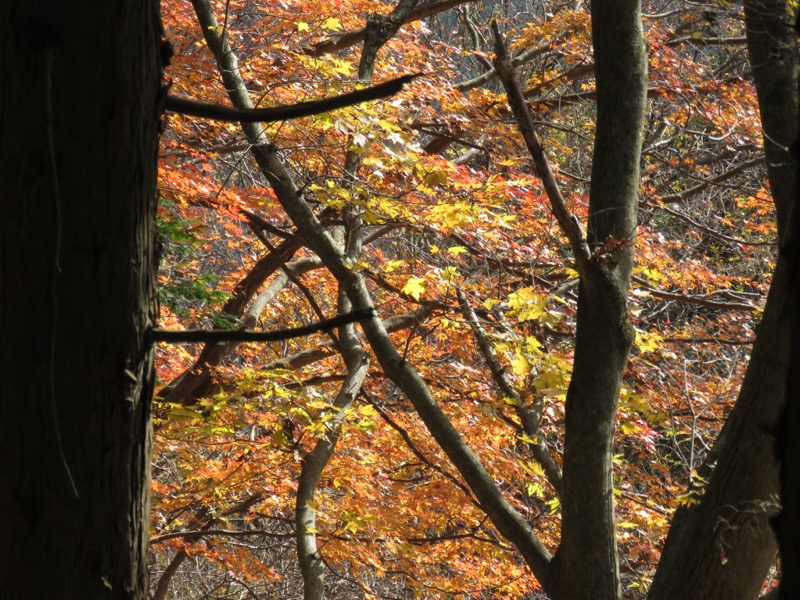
(315, 461)
(217, 336)
(217, 112)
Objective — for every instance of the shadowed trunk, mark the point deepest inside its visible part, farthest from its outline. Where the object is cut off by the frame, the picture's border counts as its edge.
(723, 547)
(79, 117)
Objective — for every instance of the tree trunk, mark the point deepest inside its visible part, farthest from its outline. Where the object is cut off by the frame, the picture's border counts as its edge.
(79, 120)
(586, 563)
(724, 546)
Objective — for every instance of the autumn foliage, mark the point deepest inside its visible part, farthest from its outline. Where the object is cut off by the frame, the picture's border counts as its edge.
(471, 275)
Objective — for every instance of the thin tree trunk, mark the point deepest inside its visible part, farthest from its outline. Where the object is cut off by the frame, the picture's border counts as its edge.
(79, 117)
(586, 563)
(311, 565)
(379, 30)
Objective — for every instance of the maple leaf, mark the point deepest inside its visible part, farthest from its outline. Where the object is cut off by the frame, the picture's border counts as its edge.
(415, 287)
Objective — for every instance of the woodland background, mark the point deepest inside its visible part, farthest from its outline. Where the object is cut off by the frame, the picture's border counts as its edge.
(567, 239)
(264, 451)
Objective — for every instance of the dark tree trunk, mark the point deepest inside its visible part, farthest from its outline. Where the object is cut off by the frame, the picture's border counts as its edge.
(78, 140)
(586, 563)
(724, 546)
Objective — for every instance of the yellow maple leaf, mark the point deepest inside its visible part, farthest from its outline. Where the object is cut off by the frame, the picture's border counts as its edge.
(332, 24)
(415, 287)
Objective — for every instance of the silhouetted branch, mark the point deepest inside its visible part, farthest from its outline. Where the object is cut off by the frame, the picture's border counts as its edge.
(217, 336)
(217, 112)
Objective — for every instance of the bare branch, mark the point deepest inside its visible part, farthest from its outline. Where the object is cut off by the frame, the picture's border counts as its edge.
(217, 336)
(217, 112)
(685, 194)
(693, 299)
(569, 223)
(236, 533)
(352, 38)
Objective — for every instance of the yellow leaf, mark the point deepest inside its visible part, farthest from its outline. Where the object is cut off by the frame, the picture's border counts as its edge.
(368, 410)
(415, 287)
(393, 265)
(553, 505)
(450, 273)
(520, 365)
(302, 26)
(532, 344)
(648, 341)
(435, 177)
(332, 24)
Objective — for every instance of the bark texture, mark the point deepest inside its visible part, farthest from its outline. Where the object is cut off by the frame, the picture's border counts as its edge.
(79, 120)
(586, 563)
(724, 546)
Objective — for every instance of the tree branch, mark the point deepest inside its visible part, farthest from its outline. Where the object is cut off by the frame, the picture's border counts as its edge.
(569, 223)
(685, 194)
(529, 418)
(664, 295)
(217, 112)
(352, 38)
(509, 522)
(217, 336)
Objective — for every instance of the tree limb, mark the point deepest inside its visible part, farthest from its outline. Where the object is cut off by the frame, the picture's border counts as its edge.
(352, 38)
(569, 223)
(217, 112)
(529, 418)
(217, 336)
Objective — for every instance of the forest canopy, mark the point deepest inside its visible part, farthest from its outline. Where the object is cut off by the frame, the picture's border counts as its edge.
(566, 290)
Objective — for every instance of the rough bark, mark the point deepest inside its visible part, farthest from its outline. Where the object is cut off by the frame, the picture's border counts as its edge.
(586, 563)
(79, 116)
(787, 525)
(724, 546)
